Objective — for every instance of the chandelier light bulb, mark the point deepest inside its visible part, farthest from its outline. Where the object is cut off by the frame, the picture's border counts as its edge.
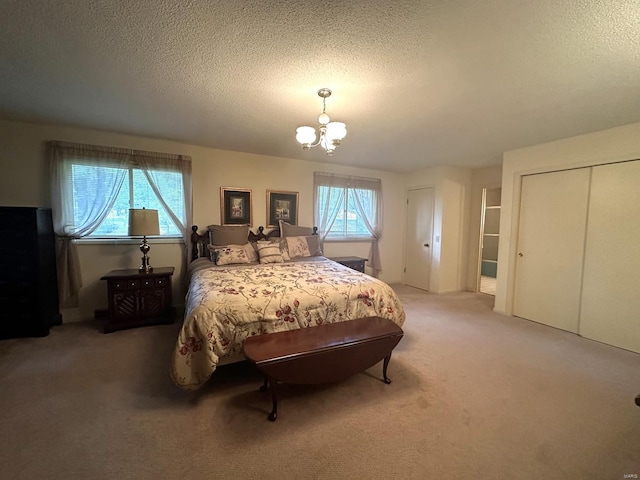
(323, 119)
(305, 135)
(336, 131)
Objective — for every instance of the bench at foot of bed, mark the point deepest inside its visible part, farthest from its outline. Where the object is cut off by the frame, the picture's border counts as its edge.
(324, 354)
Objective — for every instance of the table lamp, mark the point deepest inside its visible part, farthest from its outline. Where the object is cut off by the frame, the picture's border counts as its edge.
(143, 222)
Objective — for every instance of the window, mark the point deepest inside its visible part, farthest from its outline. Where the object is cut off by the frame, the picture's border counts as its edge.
(348, 223)
(94, 187)
(347, 208)
(135, 192)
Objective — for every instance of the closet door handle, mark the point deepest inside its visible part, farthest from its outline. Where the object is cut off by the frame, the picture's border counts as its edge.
(521, 254)
(426, 244)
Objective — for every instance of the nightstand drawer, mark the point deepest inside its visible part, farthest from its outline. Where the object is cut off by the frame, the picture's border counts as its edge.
(125, 284)
(153, 282)
(356, 263)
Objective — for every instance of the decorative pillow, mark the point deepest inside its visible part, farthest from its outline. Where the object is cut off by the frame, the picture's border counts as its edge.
(228, 234)
(269, 252)
(282, 245)
(251, 252)
(231, 255)
(288, 230)
(284, 249)
(304, 246)
(314, 245)
(298, 247)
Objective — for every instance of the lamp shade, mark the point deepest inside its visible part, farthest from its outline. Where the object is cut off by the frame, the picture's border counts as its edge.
(305, 134)
(143, 222)
(336, 131)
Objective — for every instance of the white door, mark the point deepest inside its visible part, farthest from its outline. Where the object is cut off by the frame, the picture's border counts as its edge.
(610, 310)
(551, 235)
(417, 261)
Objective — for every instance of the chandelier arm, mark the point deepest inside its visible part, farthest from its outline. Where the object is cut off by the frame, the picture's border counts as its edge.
(320, 137)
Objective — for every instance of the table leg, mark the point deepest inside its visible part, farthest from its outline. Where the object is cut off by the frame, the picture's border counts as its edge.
(274, 412)
(265, 385)
(384, 368)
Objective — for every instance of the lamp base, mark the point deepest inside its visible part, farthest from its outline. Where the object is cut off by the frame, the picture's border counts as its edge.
(144, 248)
(145, 267)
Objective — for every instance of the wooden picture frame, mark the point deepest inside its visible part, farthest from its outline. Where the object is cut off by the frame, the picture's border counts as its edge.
(235, 206)
(282, 206)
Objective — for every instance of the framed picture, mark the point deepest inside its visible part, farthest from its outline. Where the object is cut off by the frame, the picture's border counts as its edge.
(282, 206)
(235, 206)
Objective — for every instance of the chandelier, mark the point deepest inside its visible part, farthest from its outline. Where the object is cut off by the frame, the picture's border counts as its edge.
(331, 133)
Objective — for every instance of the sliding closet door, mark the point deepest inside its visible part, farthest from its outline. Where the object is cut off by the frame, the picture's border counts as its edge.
(553, 215)
(610, 310)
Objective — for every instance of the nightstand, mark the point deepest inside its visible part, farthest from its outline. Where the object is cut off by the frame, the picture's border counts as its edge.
(357, 263)
(138, 299)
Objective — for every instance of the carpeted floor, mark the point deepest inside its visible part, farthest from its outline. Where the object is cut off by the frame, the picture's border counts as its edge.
(474, 395)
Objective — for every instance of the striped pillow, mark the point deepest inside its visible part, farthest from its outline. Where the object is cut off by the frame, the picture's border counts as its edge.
(269, 252)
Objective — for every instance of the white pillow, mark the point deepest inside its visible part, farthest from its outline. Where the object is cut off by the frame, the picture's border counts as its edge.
(230, 255)
(249, 249)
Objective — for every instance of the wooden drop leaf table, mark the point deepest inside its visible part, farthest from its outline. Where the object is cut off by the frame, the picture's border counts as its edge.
(323, 354)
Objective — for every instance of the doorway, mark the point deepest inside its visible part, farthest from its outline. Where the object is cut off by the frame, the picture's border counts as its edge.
(489, 240)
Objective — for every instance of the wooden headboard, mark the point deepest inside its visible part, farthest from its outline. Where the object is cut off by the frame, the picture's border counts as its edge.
(199, 241)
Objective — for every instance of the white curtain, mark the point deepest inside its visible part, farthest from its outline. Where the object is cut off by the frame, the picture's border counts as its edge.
(76, 216)
(361, 189)
(152, 166)
(328, 202)
(367, 194)
(91, 209)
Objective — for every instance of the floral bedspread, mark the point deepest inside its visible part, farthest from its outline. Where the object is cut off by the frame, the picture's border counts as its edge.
(226, 305)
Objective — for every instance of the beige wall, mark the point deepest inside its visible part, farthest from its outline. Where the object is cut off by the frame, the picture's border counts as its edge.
(452, 186)
(24, 181)
(607, 146)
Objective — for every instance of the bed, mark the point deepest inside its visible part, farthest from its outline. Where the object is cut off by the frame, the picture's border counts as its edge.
(230, 297)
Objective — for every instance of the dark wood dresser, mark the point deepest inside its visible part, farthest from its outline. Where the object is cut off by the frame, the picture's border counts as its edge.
(28, 274)
(138, 299)
(357, 263)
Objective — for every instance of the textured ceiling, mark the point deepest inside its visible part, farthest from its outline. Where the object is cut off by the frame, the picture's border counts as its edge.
(418, 83)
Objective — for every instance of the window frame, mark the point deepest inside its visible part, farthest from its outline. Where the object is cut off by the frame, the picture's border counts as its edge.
(348, 184)
(346, 237)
